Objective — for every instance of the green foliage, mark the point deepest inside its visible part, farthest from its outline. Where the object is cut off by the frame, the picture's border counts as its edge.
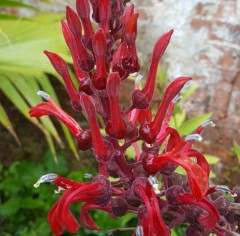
(16, 4)
(24, 209)
(236, 150)
(23, 67)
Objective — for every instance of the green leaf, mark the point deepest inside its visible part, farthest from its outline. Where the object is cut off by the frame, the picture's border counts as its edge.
(162, 75)
(211, 159)
(177, 119)
(4, 16)
(52, 167)
(22, 42)
(10, 185)
(4, 120)
(8, 3)
(10, 207)
(191, 125)
(236, 150)
(188, 92)
(31, 203)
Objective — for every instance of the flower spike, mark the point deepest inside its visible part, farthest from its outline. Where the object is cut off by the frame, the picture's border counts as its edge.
(104, 55)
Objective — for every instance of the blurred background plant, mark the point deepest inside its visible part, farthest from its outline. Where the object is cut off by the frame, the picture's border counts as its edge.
(24, 209)
(24, 69)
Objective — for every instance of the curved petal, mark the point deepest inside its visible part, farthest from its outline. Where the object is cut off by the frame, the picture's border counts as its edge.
(197, 177)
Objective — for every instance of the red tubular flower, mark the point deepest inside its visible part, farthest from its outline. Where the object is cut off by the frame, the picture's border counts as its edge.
(120, 55)
(104, 14)
(168, 115)
(149, 132)
(69, 38)
(131, 64)
(198, 131)
(97, 192)
(197, 177)
(62, 69)
(116, 125)
(83, 10)
(201, 160)
(142, 98)
(85, 217)
(102, 61)
(51, 108)
(173, 141)
(154, 224)
(140, 116)
(102, 148)
(127, 14)
(100, 50)
(74, 23)
(208, 221)
(55, 216)
(85, 61)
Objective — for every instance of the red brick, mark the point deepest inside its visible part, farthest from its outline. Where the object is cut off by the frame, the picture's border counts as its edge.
(226, 61)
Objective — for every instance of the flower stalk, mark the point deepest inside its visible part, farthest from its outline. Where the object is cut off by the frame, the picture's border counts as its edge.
(148, 185)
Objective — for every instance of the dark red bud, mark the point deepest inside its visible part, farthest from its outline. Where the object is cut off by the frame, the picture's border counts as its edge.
(74, 23)
(139, 100)
(131, 29)
(62, 69)
(99, 43)
(116, 125)
(84, 140)
(127, 14)
(100, 50)
(158, 51)
(102, 148)
(104, 14)
(119, 206)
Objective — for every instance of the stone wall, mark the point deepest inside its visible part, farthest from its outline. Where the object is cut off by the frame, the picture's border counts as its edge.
(206, 46)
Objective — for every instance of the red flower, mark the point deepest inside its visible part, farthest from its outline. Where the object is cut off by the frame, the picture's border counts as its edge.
(96, 194)
(103, 60)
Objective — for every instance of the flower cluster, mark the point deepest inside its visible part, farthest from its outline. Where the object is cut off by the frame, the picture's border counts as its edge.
(103, 59)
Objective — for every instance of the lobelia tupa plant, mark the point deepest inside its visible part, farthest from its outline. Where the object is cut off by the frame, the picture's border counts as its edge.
(149, 186)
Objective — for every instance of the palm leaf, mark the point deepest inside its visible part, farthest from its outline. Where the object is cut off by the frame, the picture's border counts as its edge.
(4, 120)
(23, 66)
(17, 4)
